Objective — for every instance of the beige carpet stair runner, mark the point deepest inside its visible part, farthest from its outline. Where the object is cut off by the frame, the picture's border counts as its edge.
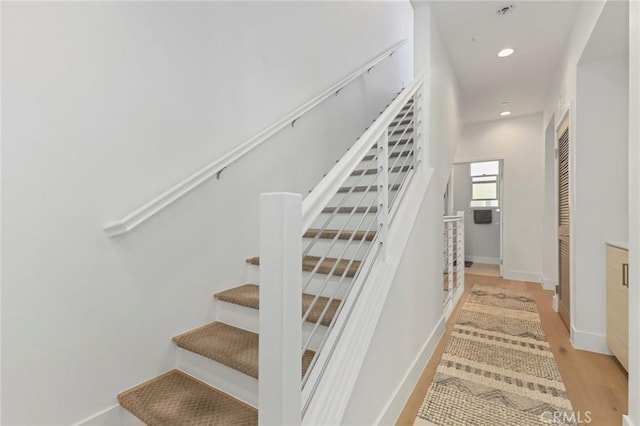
(310, 262)
(228, 345)
(248, 296)
(176, 398)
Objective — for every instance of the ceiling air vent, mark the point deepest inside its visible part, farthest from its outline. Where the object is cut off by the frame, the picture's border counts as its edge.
(504, 10)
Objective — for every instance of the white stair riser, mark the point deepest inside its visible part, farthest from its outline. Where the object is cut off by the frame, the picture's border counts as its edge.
(340, 220)
(316, 284)
(129, 419)
(356, 249)
(248, 318)
(226, 379)
(394, 177)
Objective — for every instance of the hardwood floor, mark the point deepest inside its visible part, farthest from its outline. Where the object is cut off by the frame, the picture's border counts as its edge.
(597, 385)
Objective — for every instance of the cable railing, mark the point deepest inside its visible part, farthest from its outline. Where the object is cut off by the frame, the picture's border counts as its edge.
(343, 222)
(453, 258)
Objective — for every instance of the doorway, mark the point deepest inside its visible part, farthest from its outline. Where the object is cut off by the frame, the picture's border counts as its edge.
(563, 289)
(477, 190)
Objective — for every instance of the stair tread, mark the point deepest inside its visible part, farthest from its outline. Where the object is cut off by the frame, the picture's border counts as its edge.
(231, 346)
(177, 398)
(342, 235)
(248, 295)
(310, 262)
(366, 188)
(370, 209)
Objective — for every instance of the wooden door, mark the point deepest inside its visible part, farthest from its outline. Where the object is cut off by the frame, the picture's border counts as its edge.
(563, 289)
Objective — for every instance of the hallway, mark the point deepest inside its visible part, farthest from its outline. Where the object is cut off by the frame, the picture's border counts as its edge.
(596, 384)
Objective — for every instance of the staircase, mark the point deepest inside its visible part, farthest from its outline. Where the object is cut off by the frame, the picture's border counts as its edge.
(216, 377)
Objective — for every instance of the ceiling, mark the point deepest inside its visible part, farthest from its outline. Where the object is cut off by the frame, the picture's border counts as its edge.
(474, 32)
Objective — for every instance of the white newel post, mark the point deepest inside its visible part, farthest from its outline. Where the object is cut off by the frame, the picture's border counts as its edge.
(280, 361)
(383, 191)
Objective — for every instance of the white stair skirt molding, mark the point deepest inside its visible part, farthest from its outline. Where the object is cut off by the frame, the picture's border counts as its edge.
(483, 259)
(532, 277)
(591, 342)
(219, 376)
(400, 395)
(334, 390)
(626, 421)
(113, 415)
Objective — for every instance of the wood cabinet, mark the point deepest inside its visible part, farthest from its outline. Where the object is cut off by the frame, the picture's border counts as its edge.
(618, 303)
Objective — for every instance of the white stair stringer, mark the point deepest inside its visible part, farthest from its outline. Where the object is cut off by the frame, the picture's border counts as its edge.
(334, 386)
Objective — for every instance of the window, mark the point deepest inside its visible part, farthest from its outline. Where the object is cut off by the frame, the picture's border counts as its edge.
(484, 183)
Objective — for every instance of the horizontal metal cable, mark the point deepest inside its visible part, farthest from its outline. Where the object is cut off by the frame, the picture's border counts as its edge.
(324, 340)
(324, 257)
(337, 287)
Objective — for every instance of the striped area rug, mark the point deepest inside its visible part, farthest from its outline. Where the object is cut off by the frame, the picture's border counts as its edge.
(497, 368)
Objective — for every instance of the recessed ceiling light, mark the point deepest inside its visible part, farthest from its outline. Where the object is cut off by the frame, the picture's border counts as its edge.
(503, 113)
(505, 52)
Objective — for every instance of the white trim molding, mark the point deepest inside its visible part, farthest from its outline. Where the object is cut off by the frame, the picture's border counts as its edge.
(149, 209)
(548, 284)
(587, 341)
(626, 421)
(483, 259)
(392, 409)
(532, 277)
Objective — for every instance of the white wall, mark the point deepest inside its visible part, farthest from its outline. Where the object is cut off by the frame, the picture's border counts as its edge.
(106, 105)
(412, 318)
(520, 143)
(634, 213)
(582, 86)
(600, 211)
(481, 241)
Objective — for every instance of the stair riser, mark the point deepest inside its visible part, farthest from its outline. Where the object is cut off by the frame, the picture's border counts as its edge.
(363, 199)
(341, 220)
(249, 319)
(392, 147)
(322, 245)
(233, 382)
(315, 285)
(372, 179)
(129, 419)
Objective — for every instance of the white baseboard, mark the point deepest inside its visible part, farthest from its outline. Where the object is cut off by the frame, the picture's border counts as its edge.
(522, 276)
(592, 342)
(399, 397)
(548, 284)
(554, 303)
(114, 415)
(626, 421)
(482, 259)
